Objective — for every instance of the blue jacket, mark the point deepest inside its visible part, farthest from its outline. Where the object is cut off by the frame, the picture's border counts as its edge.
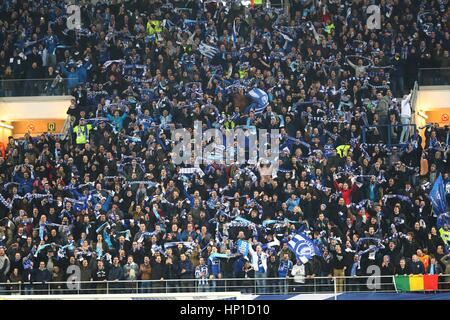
(284, 268)
(79, 76)
(118, 122)
(237, 268)
(41, 276)
(187, 265)
(214, 267)
(417, 267)
(51, 42)
(26, 185)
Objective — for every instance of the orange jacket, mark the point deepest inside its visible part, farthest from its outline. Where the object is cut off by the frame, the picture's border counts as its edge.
(425, 259)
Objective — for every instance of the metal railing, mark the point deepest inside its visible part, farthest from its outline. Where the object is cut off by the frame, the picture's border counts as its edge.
(413, 102)
(434, 77)
(391, 135)
(33, 87)
(260, 286)
(414, 99)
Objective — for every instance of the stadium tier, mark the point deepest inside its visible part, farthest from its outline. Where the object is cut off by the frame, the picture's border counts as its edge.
(170, 149)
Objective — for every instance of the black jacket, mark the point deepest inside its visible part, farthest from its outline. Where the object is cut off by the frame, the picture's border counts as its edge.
(402, 271)
(171, 271)
(115, 273)
(41, 275)
(417, 267)
(157, 271)
(100, 275)
(338, 261)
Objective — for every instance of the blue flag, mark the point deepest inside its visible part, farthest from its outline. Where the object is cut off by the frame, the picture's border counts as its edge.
(243, 247)
(437, 196)
(303, 248)
(260, 100)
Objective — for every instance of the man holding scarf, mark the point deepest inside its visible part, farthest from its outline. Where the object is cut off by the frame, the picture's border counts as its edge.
(259, 262)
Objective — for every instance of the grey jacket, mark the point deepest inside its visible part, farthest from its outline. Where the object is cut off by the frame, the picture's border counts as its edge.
(383, 106)
(131, 271)
(4, 267)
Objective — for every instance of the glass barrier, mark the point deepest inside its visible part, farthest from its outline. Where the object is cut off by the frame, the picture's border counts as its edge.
(389, 135)
(259, 286)
(434, 76)
(33, 87)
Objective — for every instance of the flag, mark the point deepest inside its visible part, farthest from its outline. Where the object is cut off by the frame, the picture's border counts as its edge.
(402, 283)
(207, 50)
(430, 282)
(417, 282)
(216, 255)
(437, 196)
(243, 247)
(303, 248)
(260, 100)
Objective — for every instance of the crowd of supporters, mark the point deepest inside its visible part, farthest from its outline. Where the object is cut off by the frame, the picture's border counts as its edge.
(354, 174)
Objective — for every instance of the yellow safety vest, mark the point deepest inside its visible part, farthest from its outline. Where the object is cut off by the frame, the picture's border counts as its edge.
(257, 2)
(153, 27)
(342, 150)
(229, 124)
(82, 135)
(243, 73)
(445, 235)
(329, 28)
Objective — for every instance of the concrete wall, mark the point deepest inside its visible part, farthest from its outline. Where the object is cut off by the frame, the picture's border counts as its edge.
(5, 132)
(433, 102)
(432, 98)
(32, 114)
(34, 108)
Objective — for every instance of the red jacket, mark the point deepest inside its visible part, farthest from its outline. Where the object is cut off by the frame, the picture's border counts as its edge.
(2, 150)
(346, 194)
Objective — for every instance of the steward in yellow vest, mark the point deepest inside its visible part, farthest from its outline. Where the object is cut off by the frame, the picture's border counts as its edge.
(153, 27)
(342, 150)
(82, 132)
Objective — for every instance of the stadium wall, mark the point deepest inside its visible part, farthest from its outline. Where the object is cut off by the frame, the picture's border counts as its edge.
(32, 114)
(6, 129)
(433, 105)
(433, 97)
(36, 127)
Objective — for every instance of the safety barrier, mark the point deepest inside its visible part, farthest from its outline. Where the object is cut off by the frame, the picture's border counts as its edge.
(434, 77)
(34, 87)
(390, 135)
(251, 286)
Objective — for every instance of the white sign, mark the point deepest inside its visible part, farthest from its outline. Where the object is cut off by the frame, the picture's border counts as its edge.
(374, 18)
(73, 17)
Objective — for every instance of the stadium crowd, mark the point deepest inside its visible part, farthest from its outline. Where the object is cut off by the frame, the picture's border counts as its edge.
(107, 197)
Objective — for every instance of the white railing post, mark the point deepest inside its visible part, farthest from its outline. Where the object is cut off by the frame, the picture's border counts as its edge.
(314, 284)
(335, 288)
